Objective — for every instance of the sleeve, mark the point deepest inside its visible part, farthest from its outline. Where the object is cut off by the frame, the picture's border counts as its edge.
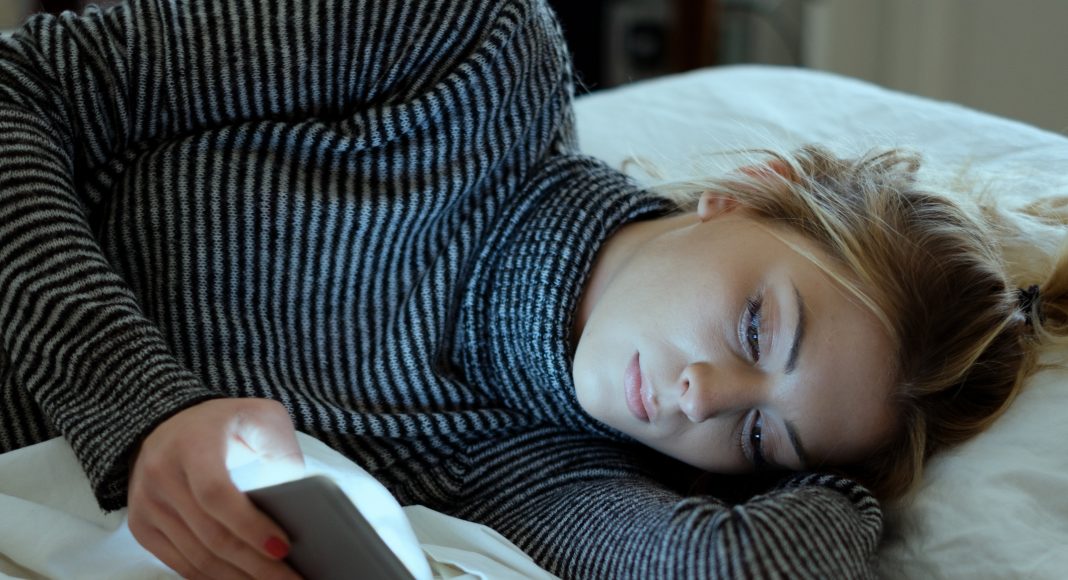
(82, 95)
(582, 509)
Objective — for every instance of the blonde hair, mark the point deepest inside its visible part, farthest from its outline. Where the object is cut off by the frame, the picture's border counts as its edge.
(933, 270)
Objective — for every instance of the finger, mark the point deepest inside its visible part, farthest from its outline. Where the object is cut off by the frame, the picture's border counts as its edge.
(156, 542)
(228, 547)
(204, 485)
(266, 430)
(219, 515)
(171, 510)
(262, 446)
(203, 562)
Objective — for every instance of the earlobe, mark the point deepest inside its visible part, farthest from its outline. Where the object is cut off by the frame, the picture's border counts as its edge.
(713, 204)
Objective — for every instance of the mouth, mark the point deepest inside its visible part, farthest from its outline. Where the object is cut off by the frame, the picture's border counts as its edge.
(639, 395)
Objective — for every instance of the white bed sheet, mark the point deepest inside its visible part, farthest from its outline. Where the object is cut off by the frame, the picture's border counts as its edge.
(998, 507)
(51, 527)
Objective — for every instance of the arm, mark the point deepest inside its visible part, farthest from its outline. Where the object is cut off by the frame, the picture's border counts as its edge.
(78, 95)
(582, 510)
(81, 96)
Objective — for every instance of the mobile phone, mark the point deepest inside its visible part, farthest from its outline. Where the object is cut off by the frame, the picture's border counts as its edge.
(329, 538)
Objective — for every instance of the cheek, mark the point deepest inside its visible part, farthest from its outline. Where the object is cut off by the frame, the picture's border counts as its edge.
(595, 354)
(625, 320)
(680, 316)
(711, 446)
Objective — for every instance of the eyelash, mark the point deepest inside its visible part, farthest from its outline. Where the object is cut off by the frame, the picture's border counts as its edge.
(751, 328)
(755, 437)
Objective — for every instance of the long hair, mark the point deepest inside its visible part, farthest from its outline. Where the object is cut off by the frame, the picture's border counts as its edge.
(933, 270)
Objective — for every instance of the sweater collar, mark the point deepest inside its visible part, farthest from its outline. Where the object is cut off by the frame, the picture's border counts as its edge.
(519, 306)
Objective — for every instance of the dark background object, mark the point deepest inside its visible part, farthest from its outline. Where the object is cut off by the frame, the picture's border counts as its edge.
(57, 6)
(582, 21)
(617, 41)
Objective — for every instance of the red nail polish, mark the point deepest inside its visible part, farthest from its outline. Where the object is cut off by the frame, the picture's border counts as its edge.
(277, 548)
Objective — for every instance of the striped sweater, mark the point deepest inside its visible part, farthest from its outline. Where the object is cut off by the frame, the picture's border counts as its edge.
(371, 211)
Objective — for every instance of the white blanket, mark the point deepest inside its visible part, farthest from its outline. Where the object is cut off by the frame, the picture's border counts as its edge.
(52, 528)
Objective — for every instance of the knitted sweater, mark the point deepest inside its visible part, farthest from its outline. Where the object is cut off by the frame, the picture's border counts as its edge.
(375, 213)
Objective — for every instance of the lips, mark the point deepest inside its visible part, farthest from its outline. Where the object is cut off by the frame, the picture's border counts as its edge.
(638, 394)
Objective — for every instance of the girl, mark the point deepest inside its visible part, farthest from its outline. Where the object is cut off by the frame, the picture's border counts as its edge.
(223, 221)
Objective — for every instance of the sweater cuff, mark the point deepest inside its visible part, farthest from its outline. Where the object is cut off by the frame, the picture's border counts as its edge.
(855, 492)
(108, 409)
(110, 465)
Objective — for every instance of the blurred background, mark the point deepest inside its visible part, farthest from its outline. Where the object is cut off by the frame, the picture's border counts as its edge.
(14, 11)
(1000, 56)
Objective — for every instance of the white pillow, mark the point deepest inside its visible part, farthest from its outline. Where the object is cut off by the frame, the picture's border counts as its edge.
(997, 506)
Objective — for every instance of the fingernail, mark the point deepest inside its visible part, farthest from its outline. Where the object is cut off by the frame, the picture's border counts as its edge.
(276, 548)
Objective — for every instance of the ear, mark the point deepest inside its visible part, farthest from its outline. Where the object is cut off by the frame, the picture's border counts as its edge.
(773, 168)
(713, 205)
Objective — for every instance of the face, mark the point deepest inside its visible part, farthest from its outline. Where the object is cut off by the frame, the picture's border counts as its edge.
(710, 339)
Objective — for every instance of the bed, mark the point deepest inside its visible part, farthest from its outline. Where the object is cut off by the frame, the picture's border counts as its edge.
(996, 507)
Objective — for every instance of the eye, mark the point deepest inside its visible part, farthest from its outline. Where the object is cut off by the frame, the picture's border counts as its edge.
(754, 439)
(751, 327)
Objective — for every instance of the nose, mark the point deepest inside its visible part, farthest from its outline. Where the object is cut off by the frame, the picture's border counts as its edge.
(708, 391)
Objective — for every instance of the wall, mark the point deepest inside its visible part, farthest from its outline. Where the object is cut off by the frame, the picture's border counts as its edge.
(1003, 57)
(12, 12)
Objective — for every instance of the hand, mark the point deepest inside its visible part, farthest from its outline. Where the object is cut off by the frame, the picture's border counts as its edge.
(183, 506)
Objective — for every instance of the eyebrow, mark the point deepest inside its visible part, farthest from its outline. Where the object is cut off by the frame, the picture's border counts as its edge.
(799, 332)
(791, 364)
(795, 440)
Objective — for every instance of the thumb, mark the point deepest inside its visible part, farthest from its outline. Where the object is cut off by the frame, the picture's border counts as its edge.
(263, 448)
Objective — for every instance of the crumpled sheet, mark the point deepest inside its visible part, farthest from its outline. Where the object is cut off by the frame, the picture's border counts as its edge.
(51, 526)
